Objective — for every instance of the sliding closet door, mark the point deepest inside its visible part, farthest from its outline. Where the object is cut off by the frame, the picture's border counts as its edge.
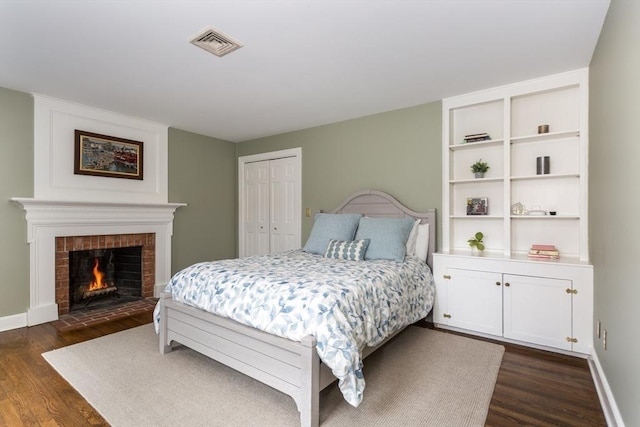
(285, 205)
(256, 212)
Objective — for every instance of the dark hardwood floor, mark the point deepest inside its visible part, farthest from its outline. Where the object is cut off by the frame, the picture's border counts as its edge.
(534, 388)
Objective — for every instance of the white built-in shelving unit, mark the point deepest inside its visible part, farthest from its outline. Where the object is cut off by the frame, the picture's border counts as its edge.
(511, 115)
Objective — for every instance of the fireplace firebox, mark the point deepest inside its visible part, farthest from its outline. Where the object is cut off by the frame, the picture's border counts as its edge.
(99, 277)
(126, 262)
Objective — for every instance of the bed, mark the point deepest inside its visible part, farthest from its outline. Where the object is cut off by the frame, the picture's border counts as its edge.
(279, 350)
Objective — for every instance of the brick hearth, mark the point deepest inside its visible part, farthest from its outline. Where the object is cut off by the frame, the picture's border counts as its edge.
(76, 243)
(88, 318)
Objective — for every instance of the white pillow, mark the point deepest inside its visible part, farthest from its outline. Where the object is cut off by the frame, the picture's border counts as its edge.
(411, 241)
(422, 242)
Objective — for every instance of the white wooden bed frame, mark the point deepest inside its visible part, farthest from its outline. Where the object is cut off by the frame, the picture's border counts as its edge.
(292, 367)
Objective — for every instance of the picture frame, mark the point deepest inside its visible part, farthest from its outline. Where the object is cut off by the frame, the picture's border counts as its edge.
(477, 206)
(107, 156)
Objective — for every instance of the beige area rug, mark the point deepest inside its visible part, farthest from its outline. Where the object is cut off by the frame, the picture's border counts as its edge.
(422, 378)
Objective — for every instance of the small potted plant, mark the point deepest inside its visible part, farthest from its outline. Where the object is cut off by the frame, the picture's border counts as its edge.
(476, 243)
(479, 168)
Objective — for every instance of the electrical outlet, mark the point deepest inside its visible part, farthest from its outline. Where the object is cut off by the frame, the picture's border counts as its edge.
(598, 329)
(308, 212)
(604, 339)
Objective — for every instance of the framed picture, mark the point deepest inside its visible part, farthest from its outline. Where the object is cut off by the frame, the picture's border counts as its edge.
(102, 155)
(477, 206)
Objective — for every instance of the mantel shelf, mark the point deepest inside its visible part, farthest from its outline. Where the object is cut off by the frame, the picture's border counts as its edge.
(43, 203)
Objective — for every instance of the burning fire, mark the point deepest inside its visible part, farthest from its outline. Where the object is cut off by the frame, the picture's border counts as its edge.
(97, 278)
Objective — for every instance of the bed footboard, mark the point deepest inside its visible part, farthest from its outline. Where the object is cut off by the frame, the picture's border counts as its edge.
(289, 366)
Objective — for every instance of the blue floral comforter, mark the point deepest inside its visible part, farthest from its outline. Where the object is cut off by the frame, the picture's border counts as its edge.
(346, 305)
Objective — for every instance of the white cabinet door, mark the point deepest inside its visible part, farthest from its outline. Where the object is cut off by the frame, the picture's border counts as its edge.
(256, 209)
(474, 300)
(538, 310)
(284, 205)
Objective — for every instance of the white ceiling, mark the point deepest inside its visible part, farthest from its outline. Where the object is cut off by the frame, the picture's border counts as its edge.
(304, 63)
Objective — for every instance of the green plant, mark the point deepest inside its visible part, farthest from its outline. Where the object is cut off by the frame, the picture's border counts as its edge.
(479, 166)
(477, 242)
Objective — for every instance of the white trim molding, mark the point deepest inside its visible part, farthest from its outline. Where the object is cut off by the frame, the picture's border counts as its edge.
(48, 219)
(55, 122)
(607, 401)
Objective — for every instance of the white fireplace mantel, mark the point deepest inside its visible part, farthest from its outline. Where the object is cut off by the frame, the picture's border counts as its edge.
(48, 219)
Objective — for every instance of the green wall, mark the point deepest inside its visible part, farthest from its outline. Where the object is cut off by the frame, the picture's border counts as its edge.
(398, 152)
(614, 187)
(202, 173)
(16, 180)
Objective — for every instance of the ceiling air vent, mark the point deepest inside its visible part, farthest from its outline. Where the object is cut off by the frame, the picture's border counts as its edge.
(215, 41)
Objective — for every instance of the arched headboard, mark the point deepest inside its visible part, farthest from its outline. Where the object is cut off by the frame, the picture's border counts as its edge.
(375, 203)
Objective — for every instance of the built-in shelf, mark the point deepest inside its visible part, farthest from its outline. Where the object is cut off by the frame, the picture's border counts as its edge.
(512, 115)
(546, 217)
(499, 291)
(545, 136)
(475, 180)
(476, 217)
(545, 176)
(479, 144)
(515, 256)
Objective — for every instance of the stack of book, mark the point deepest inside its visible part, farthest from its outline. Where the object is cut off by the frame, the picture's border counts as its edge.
(544, 252)
(476, 137)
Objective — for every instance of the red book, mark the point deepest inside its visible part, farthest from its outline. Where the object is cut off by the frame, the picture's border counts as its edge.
(544, 247)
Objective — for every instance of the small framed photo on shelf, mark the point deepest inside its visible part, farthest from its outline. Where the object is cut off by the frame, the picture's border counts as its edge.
(477, 206)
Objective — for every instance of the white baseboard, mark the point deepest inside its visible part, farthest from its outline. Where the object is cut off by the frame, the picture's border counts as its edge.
(42, 314)
(607, 400)
(14, 321)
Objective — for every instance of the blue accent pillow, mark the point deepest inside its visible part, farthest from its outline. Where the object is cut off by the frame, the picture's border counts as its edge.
(330, 226)
(388, 237)
(353, 250)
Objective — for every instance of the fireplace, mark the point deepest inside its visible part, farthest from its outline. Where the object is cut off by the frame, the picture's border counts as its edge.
(104, 277)
(98, 271)
(55, 227)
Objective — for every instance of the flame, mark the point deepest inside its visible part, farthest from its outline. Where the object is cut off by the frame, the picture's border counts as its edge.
(97, 275)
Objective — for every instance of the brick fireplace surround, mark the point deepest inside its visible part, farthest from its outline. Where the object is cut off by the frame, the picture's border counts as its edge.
(66, 244)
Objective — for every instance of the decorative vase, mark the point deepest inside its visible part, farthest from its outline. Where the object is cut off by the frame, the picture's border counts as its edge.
(475, 251)
(479, 174)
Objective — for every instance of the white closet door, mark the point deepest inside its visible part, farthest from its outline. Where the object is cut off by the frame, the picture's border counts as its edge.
(256, 212)
(285, 205)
